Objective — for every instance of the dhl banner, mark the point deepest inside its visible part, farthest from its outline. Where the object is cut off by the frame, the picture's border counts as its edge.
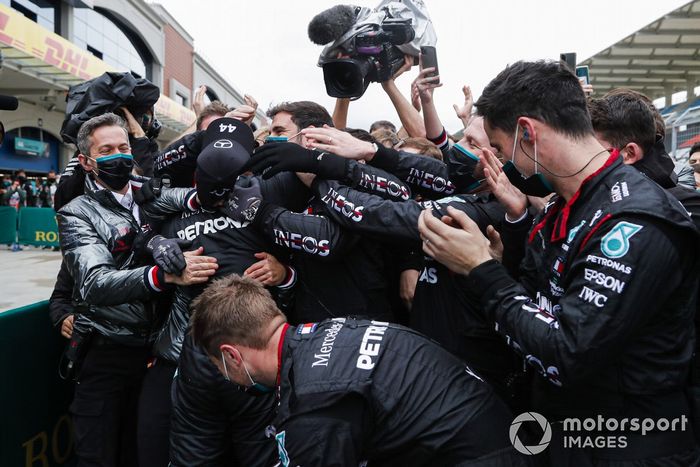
(26, 36)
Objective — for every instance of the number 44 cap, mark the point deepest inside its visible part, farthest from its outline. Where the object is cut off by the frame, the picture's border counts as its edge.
(228, 144)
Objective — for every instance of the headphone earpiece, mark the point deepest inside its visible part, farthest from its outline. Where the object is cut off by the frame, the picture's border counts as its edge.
(526, 134)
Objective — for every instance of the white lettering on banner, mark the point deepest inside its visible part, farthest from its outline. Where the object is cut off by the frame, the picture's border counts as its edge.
(338, 202)
(623, 268)
(324, 353)
(208, 227)
(428, 275)
(384, 185)
(371, 349)
(591, 296)
(308, 244)
(604, 280)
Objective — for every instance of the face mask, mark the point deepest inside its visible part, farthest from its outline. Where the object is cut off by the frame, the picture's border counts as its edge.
(7, 183)
(255, 389)
(276, 139)
(460, 165)
(22, 180)
(50, 181)
(115, 170)
(534, 185)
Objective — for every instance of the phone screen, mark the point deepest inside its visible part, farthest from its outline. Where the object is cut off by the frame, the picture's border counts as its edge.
(583, 74)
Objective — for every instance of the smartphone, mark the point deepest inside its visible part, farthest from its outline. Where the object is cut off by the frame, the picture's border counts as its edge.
(583, 74)
(569, 59)
(429, 58)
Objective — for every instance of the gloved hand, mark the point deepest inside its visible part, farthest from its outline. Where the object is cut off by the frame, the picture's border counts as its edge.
(149, 191)
(167, 253)
(244, 200)
(273, 158)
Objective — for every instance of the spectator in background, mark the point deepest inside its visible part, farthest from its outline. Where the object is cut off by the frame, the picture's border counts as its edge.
(29, 190)
(386, 137)
(48, 190)
(16, 193)
(421, 146)
(382, 125)
(210, 113)
(694, 162)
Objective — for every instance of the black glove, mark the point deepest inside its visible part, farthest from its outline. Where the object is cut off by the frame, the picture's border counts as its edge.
(167, 253)
(149, 191)
(273, 158)
(244, 200)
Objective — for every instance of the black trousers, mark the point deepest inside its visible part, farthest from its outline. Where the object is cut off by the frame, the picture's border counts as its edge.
(105, 402)
(155, 407)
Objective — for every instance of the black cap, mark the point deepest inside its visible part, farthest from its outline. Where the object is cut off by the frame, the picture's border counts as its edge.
(228, 144)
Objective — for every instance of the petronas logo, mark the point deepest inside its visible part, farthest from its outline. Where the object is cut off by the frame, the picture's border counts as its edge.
(616, 243)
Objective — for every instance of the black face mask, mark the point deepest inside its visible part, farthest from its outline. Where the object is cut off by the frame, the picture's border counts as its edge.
(115, 170)
(534, 185)
(22, 180)
(460, 165)
(50, 181)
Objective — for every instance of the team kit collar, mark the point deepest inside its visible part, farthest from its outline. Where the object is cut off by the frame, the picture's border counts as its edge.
(562, 209)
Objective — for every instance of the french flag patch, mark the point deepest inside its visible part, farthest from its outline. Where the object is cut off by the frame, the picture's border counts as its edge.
(307, 328)
(558, 266)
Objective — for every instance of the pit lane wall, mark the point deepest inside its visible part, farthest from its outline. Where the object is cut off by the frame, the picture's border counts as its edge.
(35, 430)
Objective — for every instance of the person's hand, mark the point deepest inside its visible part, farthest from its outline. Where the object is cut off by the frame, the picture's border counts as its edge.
(512, 199)
(465, 111)
(244, 113)
(338, 142)
(67, 326)
(267, 271)
(426, 84)
(415, 96)
(460, 248)
(495, 243)
(587, 89)
(198, 101)
(198, 270)
(407, 64)
(250, 101)
(244, 200)
(273, 158)
(135, 129)
(407, 286)
(167, 253)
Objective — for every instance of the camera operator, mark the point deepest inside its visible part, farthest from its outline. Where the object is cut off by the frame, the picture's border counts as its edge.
(116, 318)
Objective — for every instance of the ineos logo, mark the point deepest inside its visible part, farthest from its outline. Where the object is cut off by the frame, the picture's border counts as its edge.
(546, 433)
(223, 144)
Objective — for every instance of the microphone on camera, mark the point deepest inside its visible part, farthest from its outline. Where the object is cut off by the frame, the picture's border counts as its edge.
(330, 25)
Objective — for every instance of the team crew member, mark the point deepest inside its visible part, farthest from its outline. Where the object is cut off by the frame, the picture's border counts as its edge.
(115, 294)
(604, 304)
(443, 308)
(351, 390)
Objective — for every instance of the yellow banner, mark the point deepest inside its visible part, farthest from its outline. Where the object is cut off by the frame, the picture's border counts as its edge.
(22, 34)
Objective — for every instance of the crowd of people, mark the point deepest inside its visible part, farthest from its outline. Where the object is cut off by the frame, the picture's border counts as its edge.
(18, 191)
(305, 293)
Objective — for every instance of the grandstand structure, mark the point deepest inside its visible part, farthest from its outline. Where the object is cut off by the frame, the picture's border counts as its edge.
(659, 60)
